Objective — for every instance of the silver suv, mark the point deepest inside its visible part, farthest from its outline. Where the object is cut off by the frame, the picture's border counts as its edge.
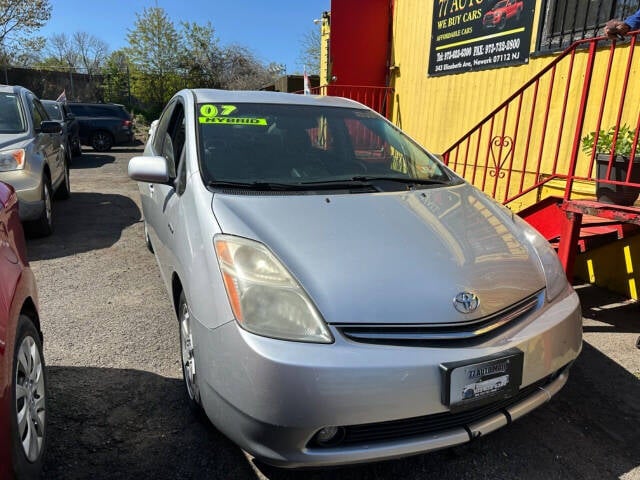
(32, 157)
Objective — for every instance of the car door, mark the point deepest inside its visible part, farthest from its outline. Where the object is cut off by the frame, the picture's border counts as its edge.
(49, 144)
(175, 234)
(154, 195)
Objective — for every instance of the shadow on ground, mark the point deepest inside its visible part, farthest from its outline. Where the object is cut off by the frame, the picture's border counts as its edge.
(620, 315)
(87, 221)
(91, 160)
(114, 423)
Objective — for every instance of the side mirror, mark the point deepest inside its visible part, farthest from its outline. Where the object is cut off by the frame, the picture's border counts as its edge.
(50, 126)
(149, 169)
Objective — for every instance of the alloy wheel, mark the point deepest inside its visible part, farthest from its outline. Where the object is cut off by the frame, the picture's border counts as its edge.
(47, 203)
(30, 398)
(188, 358)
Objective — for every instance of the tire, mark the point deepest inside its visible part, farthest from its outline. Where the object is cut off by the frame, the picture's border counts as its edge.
(187, 355)
(76, 149)
(28, 402)
(43, 226)
(101, 141)
(64, 190)
(503, 22)
(147, 239)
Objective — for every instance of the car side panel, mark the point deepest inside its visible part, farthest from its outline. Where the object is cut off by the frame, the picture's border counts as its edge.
(17, 284)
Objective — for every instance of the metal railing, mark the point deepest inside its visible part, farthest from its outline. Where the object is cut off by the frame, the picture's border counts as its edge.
(540, 135)
(376, 98)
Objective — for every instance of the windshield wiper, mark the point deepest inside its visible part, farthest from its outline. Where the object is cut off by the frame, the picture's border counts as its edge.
(417, 181)
(268, 186)
(410, 182)
(339, 184)
(303, 186)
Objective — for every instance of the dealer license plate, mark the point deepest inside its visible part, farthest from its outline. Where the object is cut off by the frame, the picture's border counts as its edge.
(476, 382)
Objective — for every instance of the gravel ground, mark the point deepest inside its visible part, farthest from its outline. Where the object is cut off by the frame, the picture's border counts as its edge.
(117, 407)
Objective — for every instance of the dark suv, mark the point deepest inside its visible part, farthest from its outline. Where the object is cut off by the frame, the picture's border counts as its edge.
(103, 125)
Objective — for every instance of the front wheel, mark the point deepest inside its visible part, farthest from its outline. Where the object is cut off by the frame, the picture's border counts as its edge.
(188, 354)
(76, 149)
(101, 141)
(28, 401)
(147, 238)
(64, 190)
(43, 226)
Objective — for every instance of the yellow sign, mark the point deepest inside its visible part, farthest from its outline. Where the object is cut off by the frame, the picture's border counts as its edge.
(211, 111)
(234, 121)
(219, 115)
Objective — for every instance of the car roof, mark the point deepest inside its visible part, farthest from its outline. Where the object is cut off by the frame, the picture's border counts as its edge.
(12, 89)
(251, 96)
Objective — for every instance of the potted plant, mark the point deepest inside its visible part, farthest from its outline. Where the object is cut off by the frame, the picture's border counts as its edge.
(607, 192)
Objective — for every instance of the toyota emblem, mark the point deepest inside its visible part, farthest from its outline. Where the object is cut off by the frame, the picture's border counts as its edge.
(466, 302)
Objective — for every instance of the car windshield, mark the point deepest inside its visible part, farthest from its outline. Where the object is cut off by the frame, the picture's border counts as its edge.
(501, 4)
(307, 146)
(11, 117)
(54, 110)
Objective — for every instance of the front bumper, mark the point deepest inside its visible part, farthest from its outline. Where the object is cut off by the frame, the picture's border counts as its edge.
(28, 187)
(272, 396)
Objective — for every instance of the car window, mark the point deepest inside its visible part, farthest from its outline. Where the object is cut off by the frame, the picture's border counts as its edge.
(38, 113)
(11, 114)
(77, 110)
(161, 129)
(303, 144)
(54, 110)
(174, 139)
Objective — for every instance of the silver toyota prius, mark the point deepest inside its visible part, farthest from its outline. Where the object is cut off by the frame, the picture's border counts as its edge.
(342, 296)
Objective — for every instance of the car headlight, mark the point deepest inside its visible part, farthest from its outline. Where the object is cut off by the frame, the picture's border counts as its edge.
(264, 296)
(554, 274)
(12, 159)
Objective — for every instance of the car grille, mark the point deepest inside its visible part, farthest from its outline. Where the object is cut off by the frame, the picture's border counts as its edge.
(441, 334)
(354, 435)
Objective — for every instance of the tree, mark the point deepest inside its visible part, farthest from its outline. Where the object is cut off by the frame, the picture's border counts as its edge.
(117, 73)
(18, 20)
(60, 50)
(240, 70)
(202, 55)
(154, 47)
(309, 56)
(91, 52)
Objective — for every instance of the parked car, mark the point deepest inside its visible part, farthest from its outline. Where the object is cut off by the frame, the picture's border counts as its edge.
(501, 12)
(23, 387)
(337, 288)
(60, 112)
(103, 125)
(32, 157)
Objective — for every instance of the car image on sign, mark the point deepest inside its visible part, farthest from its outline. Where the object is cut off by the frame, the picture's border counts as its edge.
(337, 288)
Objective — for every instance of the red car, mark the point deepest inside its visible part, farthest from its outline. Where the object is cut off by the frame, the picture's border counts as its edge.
(22, 370)
(501, 12)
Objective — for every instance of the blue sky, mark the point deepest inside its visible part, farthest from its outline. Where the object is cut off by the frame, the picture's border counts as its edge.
(272, 30)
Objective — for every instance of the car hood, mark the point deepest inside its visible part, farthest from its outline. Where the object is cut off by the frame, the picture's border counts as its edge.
(398, 257)
(13, 140)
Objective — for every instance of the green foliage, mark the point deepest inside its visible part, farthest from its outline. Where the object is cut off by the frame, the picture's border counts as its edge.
(623, 146)
(154, 46)
(19, 19)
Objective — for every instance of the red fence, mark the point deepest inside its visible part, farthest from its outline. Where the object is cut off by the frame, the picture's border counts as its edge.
(376, 98)
(543, 134)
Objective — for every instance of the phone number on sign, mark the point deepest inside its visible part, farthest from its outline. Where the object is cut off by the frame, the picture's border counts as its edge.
(498, 47)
